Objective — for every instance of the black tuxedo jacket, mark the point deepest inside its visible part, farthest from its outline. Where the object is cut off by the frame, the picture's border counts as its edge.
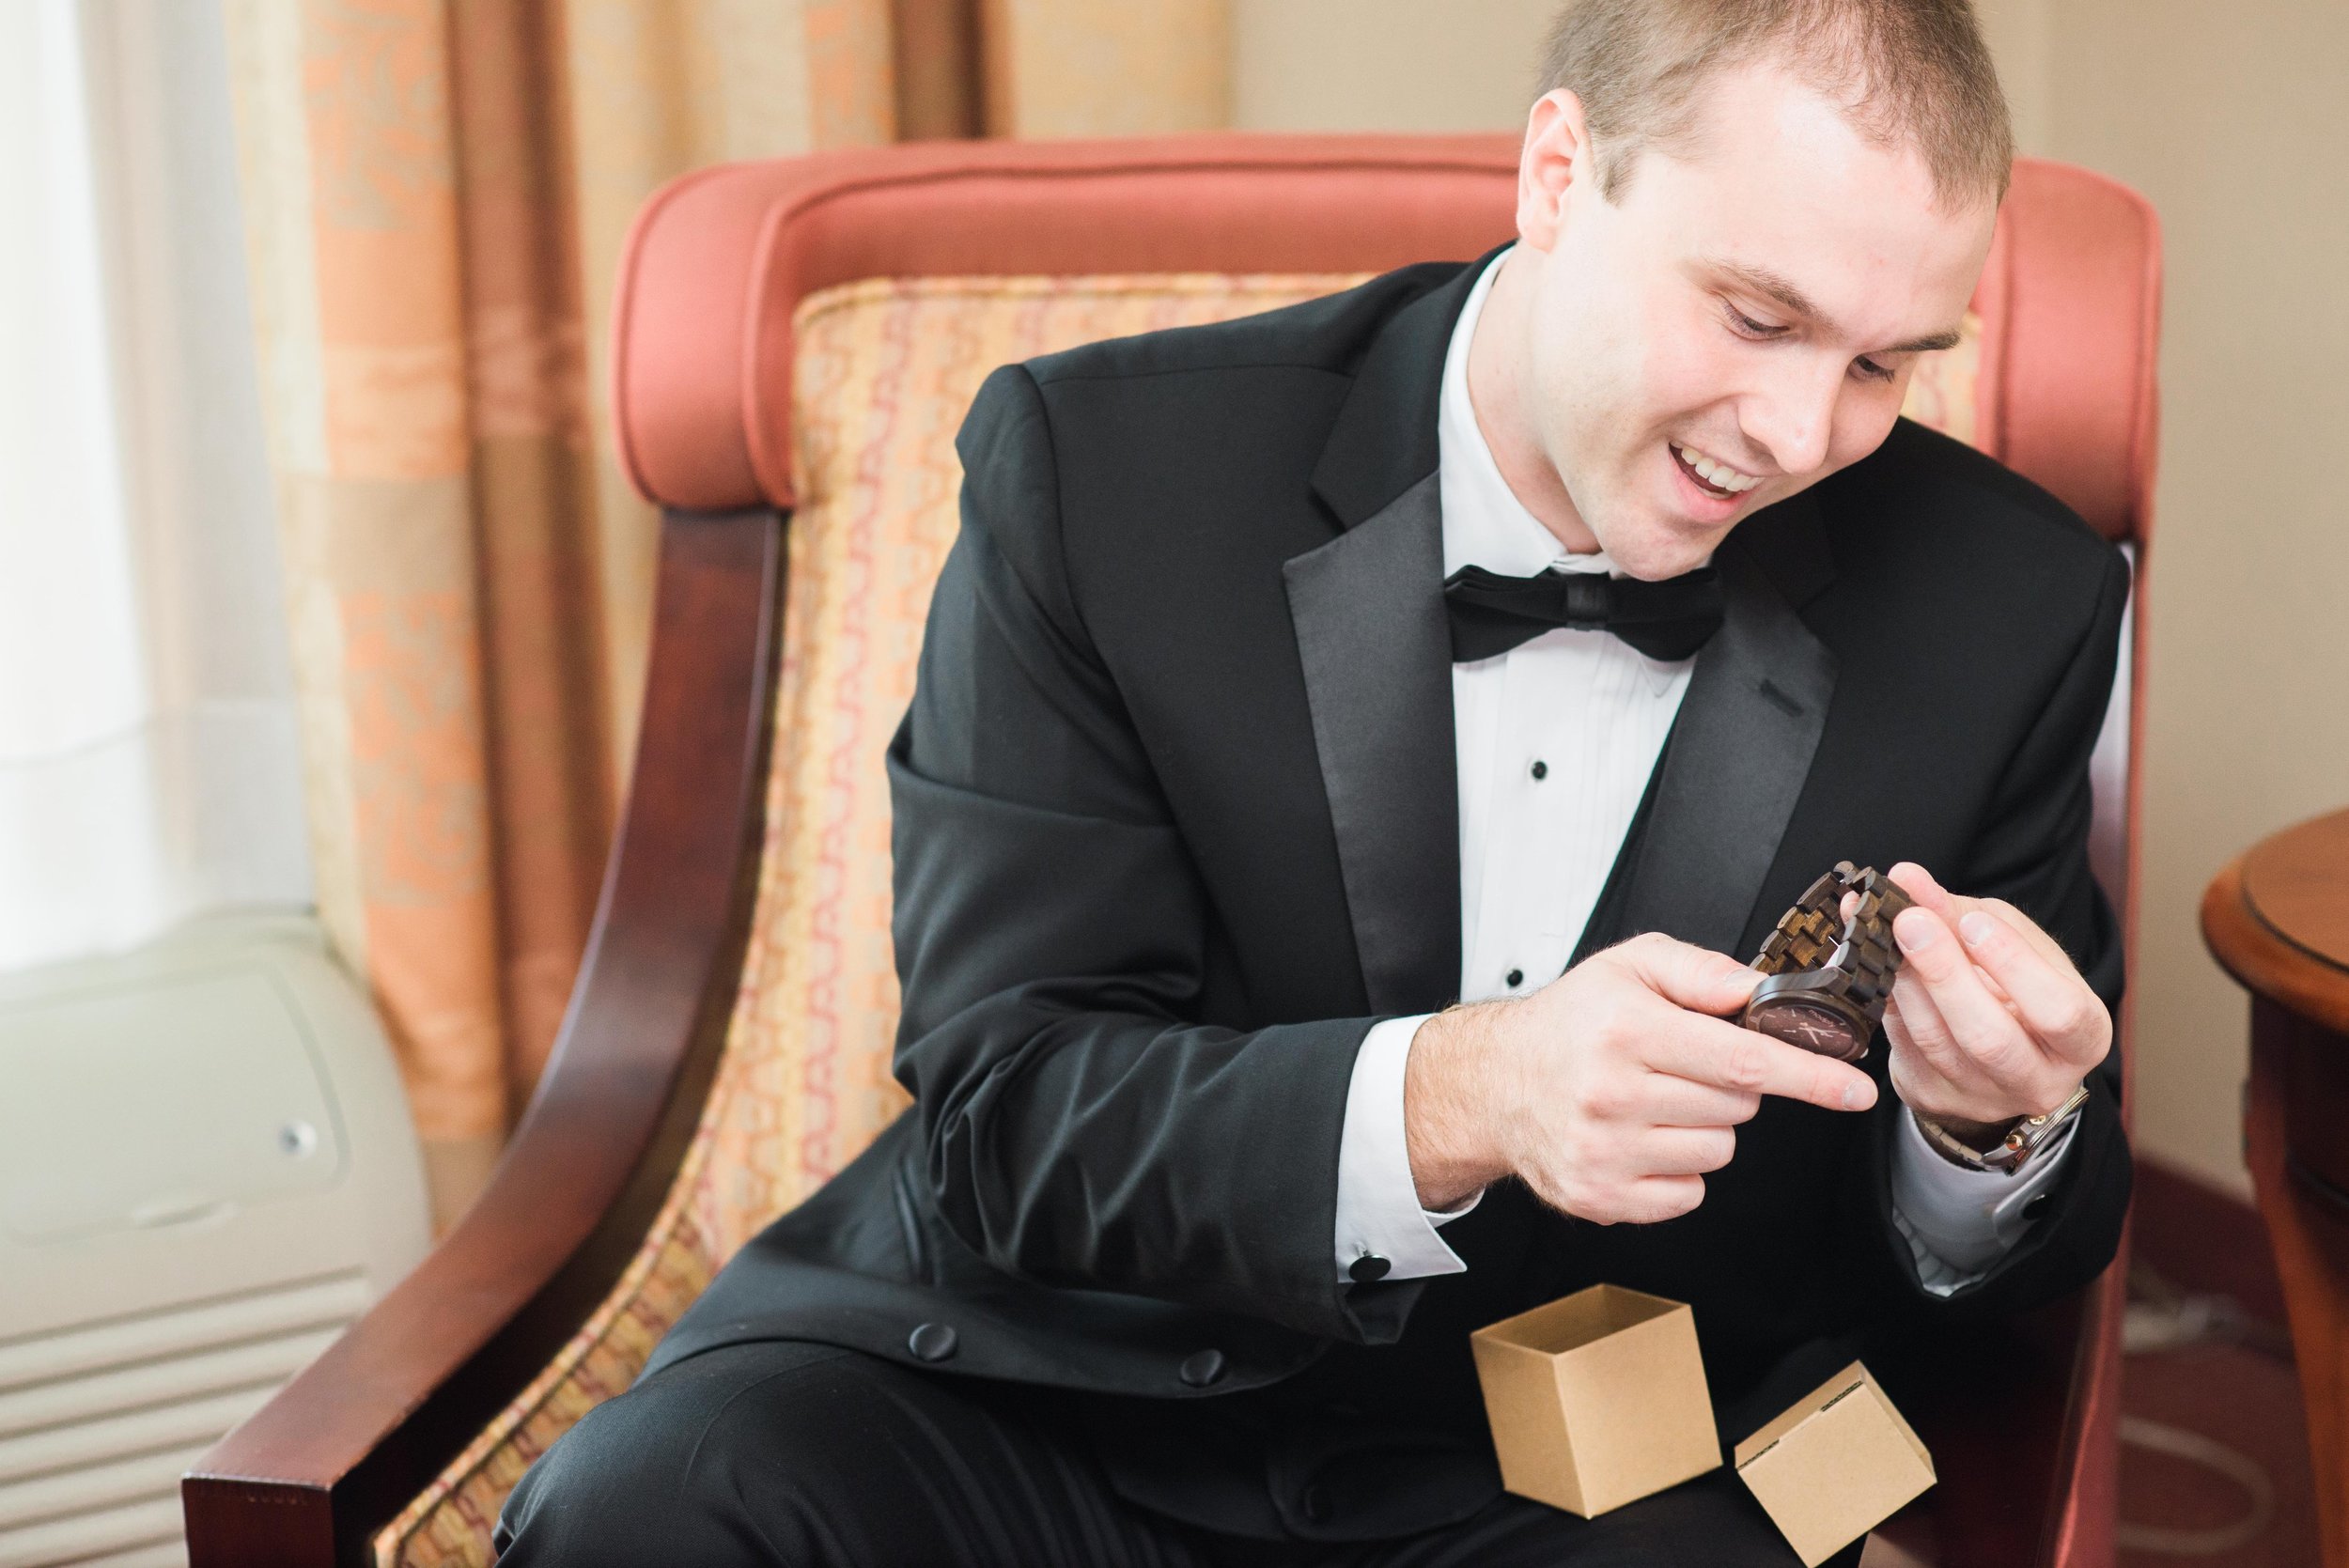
(1175, 823)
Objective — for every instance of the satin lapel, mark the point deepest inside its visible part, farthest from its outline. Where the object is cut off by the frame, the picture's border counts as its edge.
(1742, 745)
(1368, 609)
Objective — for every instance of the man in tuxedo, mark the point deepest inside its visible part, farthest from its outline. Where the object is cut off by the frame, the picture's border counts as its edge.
(1298, 976)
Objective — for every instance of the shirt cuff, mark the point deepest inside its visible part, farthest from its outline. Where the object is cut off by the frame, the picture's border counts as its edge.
(1378, 1212)
(1958, 1223)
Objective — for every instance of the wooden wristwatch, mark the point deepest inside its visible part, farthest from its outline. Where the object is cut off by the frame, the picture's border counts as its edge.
(1828, 977)
(2017, 1141)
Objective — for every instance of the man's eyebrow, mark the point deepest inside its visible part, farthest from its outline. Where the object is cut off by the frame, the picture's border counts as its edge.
(1773, 286)
(1782, 289)
(1929, 344)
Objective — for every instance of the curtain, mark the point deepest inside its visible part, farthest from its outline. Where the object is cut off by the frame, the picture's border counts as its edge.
(1081, 68)
(435, 195)
(149, 770)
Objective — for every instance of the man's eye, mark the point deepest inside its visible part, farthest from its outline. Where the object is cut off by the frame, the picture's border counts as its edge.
(1745, 326)
(1869, 370)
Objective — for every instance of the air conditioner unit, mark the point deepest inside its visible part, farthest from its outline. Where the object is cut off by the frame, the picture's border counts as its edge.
(207, 1168)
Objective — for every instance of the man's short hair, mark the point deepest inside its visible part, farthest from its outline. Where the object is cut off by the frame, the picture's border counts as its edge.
(1913, 71)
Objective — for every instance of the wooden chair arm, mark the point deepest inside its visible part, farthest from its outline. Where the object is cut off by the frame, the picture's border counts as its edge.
(2021, 1419)
(2084, 1510)
(307, 1479)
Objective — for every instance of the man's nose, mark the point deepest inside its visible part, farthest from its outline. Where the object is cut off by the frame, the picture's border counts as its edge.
(1795, 416)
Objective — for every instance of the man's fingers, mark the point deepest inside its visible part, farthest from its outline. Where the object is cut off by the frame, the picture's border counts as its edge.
(1686, 1151)
(1921, 886)
(1669, 1100)
(1696, 978)
(2050, 999)
(1913, 1014)
(2027, 928)
(1653, 1200)
(1990, 1037)
(1927, 1057)
(1641, 1200)
(1749, 1062)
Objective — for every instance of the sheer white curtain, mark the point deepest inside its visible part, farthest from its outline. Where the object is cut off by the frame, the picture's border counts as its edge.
(149, 763)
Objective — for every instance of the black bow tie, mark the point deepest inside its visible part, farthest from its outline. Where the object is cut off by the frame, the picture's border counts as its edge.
(1668, 620)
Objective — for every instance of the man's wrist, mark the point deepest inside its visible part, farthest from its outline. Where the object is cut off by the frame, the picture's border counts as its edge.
(1381, 1231)
(1446, 1129)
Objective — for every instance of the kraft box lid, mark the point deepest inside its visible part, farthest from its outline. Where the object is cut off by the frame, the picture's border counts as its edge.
(1834, 1466)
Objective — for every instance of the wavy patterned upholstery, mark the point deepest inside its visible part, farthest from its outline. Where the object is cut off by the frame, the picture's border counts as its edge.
(884, 370)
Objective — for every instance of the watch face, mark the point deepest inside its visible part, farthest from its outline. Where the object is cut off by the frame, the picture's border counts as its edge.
(1809, 1025)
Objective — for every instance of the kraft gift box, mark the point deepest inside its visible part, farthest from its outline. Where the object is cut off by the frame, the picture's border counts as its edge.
(1834, 1467)
(1598, 1399)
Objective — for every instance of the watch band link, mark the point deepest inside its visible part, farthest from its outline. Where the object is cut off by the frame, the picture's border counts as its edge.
(1815, 935)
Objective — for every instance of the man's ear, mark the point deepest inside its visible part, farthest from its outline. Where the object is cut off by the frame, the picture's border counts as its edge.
(1556, 155)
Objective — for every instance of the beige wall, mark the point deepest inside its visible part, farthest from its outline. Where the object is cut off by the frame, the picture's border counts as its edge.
(1468, 65)
(2230, 118)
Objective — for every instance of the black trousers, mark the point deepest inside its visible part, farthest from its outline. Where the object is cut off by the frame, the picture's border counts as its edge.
(794, 1455)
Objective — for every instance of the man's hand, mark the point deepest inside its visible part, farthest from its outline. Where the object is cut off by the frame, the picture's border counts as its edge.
(1989, 1021)
(1609, 1092)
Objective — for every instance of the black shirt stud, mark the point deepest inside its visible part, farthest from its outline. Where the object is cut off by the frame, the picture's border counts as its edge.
(1370, 1266)
(1202, 1368)
(932, 1342)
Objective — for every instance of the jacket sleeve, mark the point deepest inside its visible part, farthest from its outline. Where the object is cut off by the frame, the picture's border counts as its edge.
(1078, 1127)
(2033, 851)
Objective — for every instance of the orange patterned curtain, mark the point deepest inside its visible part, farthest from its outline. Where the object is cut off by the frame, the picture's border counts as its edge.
(435, 193)
(435, 196)
(1062, 67)
(1081, 68)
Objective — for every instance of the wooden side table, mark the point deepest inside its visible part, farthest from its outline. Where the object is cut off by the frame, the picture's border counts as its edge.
(2278, 918)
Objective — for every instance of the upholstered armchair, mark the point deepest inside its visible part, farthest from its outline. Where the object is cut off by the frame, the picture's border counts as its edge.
(793, 345)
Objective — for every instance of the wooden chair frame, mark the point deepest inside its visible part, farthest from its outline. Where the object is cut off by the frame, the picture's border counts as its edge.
(368, 1425)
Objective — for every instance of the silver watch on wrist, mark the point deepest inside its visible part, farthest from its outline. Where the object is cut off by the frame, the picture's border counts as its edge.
(2025, 1137)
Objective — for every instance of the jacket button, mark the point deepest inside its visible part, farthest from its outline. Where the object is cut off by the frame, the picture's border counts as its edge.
(932, 1342)
(1367, 1267)
(1515, 978)
(1202, 1368)
(1317, 1507)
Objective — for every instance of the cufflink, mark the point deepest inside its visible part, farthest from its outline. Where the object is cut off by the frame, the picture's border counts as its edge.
(1368, 1267)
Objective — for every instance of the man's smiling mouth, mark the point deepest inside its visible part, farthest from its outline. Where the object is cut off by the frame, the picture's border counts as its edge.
(1714, 475)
